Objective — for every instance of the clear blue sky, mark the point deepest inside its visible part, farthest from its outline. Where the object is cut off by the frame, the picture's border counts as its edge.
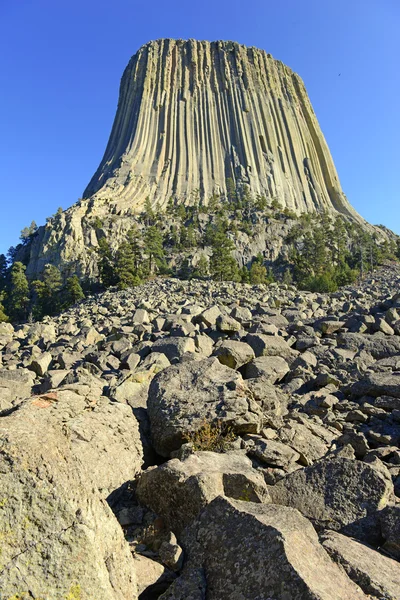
(62, 60)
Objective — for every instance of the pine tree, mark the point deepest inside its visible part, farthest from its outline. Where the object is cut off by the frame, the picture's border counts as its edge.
(231, 192)
(3, 272)
(73, 291)
(18, 296)
(48, 292)
(136, 243)
(28, 232)
(222, 264)
(148, 211)
(213, 203)
(258, 273)
(125, 266)
(244, 274)
(154, 247)
(107, 273)
(261, 202)
(3, 316)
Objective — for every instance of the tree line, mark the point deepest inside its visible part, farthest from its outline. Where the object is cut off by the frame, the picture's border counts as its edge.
(324, 252)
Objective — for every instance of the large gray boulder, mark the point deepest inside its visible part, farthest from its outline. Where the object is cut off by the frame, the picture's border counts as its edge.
(272, 368)
(184, 397)
(59, 539)
(269, 345)
(259, 552)
(378, 345)
(174, 347)
(390, 527)
(311, 440)
(234, 354)
(376, 574)
(178, 490)
(14, 385)
(378, 384)
(337, 493)
(103, 435)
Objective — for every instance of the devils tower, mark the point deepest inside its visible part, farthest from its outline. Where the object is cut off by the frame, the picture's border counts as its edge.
(193, 116)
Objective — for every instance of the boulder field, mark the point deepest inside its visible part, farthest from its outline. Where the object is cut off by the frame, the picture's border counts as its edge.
(193, 440)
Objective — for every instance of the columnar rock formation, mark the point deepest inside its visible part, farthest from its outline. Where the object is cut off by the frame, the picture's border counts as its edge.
(192, 114)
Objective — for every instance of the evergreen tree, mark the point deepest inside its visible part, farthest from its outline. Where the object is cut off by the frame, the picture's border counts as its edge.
(148, 212)
(73, 291)
(201, 269)
(222, 264)
(213, 203)
(125, 266)
(48, 292)
(107, 273)
(258, 273)
(261, 202)
(244, 274)
(3, 316)
(18, 294)
(180, 212)
(153, 241)
(231, 192)
(28, 232)
(3, 272)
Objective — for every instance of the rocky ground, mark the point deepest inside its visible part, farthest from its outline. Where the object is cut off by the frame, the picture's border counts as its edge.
(108, 493)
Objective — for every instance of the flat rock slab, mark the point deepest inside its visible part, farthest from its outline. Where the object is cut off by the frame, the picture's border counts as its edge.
(379, 346)
(184, 397)
(378, 384)
(273, 368)
(178, 490)
(337, 493)
(261, 551)
(269, 345)
(376, 574)
(274, 454)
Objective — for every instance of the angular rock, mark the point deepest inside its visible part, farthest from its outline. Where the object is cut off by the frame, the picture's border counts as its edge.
(41, 364)
(257, 551)
(339, 494)
(309, 440)
(269, 345)
(376, 574)
(378, 384)
(234, 354)
(184, 397)
(174, 347)
(274, 454)
(103, 435)
(227, 324)
(271, 368)
(59, 538)
(390, 527)
(178, 490)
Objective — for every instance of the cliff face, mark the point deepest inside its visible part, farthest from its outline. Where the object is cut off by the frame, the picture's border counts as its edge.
(193, 114)
(190, 116)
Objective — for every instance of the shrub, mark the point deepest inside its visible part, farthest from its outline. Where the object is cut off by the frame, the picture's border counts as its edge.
(213, 437)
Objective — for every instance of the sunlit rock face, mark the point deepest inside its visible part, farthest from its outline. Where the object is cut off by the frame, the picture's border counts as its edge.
(194, 118)
(192, 114)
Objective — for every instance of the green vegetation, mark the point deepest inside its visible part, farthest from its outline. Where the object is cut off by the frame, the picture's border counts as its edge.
(212, 437)
(322, 252)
